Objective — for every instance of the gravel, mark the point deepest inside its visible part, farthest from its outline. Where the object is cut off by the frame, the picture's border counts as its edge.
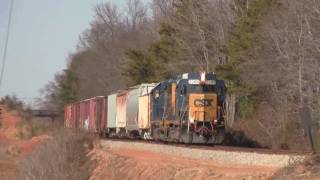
(220, 156)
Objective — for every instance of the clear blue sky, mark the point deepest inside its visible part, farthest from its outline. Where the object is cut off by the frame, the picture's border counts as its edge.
(43, 33)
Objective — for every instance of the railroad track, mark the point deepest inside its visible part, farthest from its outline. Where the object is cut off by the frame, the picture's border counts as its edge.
(220, 154)
(214, 147)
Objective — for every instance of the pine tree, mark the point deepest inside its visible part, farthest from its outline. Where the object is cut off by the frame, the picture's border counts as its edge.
(242, 40)
(152, 65)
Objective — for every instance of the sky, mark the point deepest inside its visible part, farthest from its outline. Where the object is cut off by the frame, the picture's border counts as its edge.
(43, 33)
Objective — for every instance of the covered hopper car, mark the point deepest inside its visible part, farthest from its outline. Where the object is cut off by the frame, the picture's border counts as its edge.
(129, 112)
(188, 108)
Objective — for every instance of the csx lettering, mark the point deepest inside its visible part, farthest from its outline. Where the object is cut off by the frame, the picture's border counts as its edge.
(202, 102)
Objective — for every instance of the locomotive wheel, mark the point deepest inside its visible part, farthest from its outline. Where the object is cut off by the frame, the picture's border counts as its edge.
(199, 139)
(185, 137)
(211, 140)
(173, 134)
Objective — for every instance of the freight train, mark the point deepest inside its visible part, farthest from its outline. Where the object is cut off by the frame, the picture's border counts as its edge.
(189, 108)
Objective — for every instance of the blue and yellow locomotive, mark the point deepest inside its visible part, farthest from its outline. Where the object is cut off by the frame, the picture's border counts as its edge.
(189, 108)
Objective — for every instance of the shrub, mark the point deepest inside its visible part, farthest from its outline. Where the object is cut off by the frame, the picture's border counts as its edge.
(61, 157)
(12, 102)
(32, 127)
(309, 169)
(17, 107)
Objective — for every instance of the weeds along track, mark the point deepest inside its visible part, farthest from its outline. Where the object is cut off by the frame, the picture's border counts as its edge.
(218, 153)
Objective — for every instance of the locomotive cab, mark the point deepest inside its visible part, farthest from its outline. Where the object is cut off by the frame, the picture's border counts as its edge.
(189, 108)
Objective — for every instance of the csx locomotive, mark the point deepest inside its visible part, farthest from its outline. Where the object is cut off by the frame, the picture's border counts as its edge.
(188, 108)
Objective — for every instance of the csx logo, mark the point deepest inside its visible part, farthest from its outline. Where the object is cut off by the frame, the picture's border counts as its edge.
(202, 102)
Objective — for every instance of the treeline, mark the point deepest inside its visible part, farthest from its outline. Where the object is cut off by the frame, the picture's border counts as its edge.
(13, 103)
(267, 51)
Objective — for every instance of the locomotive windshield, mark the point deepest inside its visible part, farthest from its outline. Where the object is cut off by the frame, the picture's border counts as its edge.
(200, 88)
(218, 89)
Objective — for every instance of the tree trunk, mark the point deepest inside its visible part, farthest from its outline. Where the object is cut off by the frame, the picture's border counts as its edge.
(230, 110)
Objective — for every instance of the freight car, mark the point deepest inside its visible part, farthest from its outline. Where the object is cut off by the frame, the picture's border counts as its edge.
(88, 115)
(188, 108)
(129, 112)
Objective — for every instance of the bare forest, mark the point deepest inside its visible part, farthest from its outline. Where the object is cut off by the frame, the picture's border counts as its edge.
(268, 52)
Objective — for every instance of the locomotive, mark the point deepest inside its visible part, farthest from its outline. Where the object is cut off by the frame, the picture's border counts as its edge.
(189, 108)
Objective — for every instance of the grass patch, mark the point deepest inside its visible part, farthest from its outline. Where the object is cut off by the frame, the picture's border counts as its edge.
(31, 128)
(309, 169)
(64, 156)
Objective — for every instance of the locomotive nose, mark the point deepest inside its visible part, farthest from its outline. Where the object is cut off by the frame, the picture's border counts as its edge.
(203, 107)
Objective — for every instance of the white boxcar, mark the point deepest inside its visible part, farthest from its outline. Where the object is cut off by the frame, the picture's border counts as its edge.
(121, 117)
(112, 110)
(138, 110)
(144, 112)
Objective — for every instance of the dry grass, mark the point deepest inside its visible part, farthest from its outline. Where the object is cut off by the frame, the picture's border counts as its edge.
(64, 156)
(309, 169)
(316, 138)
(31, 128)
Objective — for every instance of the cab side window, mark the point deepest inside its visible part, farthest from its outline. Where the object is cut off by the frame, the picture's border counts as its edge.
(183, 89)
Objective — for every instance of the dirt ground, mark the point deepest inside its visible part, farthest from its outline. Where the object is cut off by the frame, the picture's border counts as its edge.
(136, 164)
(13, 148)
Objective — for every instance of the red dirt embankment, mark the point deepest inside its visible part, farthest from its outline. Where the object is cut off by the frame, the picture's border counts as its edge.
(13, 148)
(125, 163)
(9, 123)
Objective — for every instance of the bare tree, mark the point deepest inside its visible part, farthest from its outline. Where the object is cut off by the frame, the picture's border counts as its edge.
(285, 63)
(109, 18)
(200, 28)
(101, 56)
(136, 14)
